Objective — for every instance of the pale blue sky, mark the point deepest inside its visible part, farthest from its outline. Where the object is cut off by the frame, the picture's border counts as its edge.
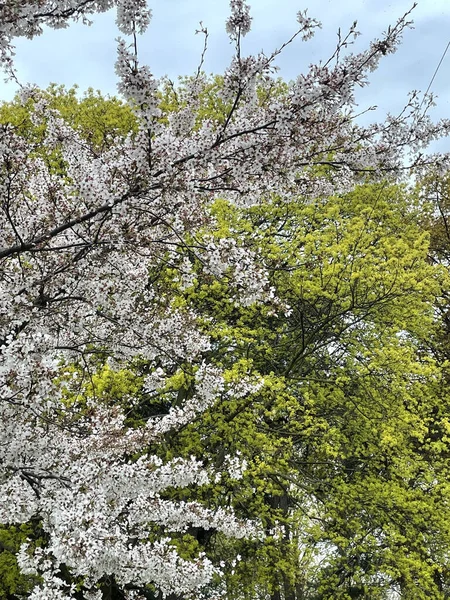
(86, 55)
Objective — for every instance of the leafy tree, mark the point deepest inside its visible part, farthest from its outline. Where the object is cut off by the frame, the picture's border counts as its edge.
(339, 425)
(13, 583)
(98, 120)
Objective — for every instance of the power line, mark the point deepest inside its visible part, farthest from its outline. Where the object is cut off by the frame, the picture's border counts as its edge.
(435, 73)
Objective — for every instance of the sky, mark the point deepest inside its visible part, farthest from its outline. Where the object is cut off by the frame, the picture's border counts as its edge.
(85, 55)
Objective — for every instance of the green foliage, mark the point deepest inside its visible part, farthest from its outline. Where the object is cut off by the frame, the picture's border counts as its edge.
(13, 583)
(173, 98)
(97, 119)
(338, 439)
(209, 102)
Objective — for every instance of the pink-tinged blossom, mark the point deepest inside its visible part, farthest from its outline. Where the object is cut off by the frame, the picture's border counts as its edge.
(133, 16)
(239, 22)
(307, 24)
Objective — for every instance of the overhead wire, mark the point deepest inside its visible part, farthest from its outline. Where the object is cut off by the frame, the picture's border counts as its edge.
(435, 73)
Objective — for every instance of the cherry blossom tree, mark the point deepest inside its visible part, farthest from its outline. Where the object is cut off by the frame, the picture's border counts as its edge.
(85, 232)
